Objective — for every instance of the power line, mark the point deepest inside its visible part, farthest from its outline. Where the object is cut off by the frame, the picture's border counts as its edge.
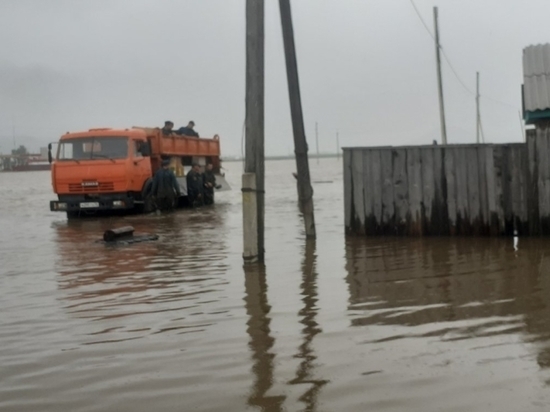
(448, 60)
(455, 73)
(422, 20)
(499, 102)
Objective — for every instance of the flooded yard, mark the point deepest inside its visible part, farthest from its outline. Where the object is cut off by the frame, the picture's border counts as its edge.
(339, 324)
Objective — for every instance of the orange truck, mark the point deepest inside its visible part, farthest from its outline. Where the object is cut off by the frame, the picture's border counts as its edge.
(112, 169)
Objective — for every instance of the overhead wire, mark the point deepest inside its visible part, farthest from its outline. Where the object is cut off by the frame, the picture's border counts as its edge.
(448, 60)
(445, 56)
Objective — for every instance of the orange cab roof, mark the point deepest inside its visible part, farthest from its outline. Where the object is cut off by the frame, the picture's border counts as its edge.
(106, 132)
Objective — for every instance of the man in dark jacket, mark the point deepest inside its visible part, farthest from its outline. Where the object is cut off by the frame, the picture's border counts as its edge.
(195, 186)
(209, 180)
(188, 130)
(166, 188)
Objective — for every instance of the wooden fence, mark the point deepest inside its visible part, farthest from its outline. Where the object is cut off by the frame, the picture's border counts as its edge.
(483, 189)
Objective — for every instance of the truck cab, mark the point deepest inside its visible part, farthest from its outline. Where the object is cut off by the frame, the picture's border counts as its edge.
(101, 169)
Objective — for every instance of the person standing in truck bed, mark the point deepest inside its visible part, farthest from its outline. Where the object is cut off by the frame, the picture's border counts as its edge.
(195, 186)
(188, 130)
(165, 189)
(167, 129)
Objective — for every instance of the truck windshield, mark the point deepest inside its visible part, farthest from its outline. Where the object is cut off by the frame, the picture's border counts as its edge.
(88, 148)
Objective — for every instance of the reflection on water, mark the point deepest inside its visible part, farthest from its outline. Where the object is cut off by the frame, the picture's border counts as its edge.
(305, 374)
(135, 283)
(475, 294)
(261, 342)
(416, 282)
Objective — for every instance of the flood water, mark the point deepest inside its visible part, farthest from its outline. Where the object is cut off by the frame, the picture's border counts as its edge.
(340, 324)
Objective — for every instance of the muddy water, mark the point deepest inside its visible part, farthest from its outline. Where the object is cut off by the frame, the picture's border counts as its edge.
(338, 325)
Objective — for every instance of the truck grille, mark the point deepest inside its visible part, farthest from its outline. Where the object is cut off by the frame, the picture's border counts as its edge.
(101, 187)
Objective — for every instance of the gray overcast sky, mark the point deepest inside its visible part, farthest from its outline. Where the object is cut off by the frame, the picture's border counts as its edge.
(367, 68)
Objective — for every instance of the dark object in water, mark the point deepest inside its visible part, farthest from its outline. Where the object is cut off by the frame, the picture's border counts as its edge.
(133, 239)
(113, 234)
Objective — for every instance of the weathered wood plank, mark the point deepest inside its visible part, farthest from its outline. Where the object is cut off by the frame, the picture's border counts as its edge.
(498, 153)
(532, 183)
(483, 191)
(515, 190)
(440, 217)
(461, 176)
(414, 175)
(388, 209)
(358, 216)
(543, 180)
(400, 189)
(474, 203)
(368, 192)
(348, 190)
(493, 219)
(428, 188)
(507, 190)
(377, 190)
(518, 168)
(450, 183)
(524, 187)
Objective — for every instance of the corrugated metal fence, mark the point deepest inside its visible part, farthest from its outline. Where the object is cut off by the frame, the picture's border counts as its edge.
(480, 189)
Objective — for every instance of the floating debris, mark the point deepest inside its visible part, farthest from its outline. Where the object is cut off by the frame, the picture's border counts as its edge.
(125, 236)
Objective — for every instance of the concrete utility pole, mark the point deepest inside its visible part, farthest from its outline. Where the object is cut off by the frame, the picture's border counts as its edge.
(253, 179)
(305, 190)
(477, 108)
(439, 81)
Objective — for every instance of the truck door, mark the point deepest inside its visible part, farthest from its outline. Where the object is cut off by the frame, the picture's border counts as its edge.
(141, 164)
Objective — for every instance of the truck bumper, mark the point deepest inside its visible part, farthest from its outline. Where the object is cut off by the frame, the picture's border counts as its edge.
(78, 203)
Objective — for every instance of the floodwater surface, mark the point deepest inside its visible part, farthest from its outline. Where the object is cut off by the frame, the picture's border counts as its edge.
(340, 324)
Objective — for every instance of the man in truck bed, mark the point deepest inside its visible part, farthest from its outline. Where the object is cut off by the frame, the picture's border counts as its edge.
(166, 189)
(188, 130)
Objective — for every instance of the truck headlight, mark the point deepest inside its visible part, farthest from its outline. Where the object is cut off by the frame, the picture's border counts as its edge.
(119, 203)
(61, 206)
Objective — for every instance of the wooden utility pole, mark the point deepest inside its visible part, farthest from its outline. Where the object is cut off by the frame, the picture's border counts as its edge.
(477, 108)
(305, 191)
(317, 140)
(253, 179)
(440, 81)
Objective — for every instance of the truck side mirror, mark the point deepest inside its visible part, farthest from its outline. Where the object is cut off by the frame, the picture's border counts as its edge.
(50, 153)
(145, 149)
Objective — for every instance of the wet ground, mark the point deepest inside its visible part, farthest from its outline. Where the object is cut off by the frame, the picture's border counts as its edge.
(356, 324)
